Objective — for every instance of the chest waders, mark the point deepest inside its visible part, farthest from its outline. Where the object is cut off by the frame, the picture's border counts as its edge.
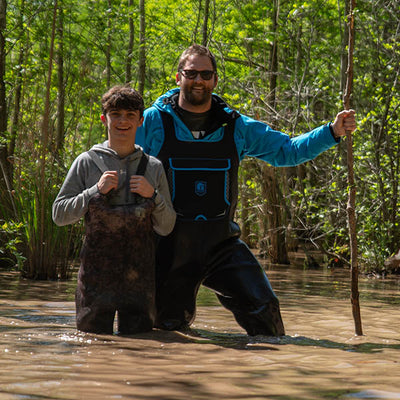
(117, 264)
(204, 247)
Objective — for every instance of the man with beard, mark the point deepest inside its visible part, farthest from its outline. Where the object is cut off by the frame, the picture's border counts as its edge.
(201, 142)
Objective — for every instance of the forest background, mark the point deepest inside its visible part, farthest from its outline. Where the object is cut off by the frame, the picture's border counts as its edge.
(283, 62)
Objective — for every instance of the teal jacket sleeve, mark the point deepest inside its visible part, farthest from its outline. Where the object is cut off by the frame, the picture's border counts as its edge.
(257, 139)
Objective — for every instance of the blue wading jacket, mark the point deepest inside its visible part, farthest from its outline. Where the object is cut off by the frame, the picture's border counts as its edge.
(253, 138)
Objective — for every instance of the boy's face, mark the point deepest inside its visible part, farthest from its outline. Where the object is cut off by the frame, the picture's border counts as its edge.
(121, 125)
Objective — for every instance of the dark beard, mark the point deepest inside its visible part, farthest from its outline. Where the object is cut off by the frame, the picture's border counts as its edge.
(197, 100)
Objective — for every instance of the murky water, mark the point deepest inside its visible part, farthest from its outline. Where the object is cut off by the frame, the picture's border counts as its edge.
(42, 356)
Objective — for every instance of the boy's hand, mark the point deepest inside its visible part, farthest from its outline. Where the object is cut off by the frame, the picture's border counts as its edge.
(108, 181)
(140, 185)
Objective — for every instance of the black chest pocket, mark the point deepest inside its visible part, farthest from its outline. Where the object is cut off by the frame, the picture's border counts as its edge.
(200, 187)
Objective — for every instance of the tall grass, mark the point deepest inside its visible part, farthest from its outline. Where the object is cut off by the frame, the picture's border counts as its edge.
(51, 257)
(49, 248)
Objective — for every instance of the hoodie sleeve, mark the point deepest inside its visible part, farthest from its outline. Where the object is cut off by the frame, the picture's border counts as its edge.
(78, 188)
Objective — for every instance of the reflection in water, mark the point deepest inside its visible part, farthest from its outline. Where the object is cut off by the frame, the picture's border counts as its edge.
(44, 357)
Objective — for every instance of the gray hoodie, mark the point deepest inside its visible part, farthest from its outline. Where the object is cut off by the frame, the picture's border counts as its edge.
(80, 186)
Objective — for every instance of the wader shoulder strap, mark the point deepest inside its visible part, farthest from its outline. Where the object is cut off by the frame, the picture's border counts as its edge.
(168, 122)
(142, 164)
(98, 161)
(103, 168)
(141, 169)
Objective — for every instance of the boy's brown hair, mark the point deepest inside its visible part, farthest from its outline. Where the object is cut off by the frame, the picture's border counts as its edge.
(122, 97)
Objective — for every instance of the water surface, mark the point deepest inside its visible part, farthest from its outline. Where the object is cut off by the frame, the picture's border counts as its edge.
(43, 356)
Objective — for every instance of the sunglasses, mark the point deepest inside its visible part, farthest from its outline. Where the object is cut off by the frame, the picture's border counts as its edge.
(192, 74)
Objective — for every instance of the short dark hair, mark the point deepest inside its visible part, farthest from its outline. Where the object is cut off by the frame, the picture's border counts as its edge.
(196, 50)
(122, 97)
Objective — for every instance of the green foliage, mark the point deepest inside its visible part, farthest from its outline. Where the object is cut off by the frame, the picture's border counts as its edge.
(309, 81)
(10, 245)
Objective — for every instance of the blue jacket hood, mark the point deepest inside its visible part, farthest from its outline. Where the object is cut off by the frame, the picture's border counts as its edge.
(164, 102)
(168, 102)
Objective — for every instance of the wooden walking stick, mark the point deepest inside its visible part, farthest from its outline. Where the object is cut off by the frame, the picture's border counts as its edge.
(351, 213)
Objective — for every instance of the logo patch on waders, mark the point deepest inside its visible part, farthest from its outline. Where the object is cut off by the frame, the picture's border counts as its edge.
(200, 188)
(208, 183)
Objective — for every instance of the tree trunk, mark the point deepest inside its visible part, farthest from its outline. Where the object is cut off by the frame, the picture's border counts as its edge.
(18, 93)
(244, 215)
(41, 267)
(18, 88)
(61, 86)
(129, 57)
(270, 186)
(273, 60)
(273, 217)
(142, 46)
(205, 22)
(108, 45)
(5, 177)
(248, 169)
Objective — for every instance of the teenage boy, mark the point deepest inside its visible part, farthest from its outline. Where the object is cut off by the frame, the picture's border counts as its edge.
(124, 197)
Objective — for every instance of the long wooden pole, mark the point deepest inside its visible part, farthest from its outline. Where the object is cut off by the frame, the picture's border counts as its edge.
(351, 209)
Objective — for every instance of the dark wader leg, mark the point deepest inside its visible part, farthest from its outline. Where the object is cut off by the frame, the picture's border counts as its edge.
(243, 288)
(177, 281)
(136, 304)
(131, 320)
(93, 316)
(228, 267)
